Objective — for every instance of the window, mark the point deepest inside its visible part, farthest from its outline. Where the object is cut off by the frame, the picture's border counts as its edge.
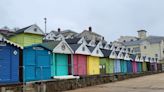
(97, 51)
(35, 29)
(83, 48)
(63, 47)
(131, 40)
(156, 55)
(124, 41)
(144, 47)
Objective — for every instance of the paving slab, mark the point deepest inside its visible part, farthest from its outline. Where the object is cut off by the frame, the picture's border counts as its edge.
(151, 83)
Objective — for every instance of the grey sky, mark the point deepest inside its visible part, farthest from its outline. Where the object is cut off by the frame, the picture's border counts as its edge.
(110, 18)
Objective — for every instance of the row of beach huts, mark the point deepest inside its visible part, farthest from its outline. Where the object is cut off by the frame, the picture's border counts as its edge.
(26, 57)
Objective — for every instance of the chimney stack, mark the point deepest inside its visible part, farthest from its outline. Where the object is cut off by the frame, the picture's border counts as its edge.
(90, 29)
(59, 30)
(142, 34)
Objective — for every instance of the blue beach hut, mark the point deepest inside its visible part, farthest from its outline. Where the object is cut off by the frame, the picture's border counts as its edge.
(9, 62)
(37, 61)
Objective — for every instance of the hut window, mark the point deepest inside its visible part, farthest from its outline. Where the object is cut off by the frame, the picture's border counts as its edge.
(83, 48)
(97, 51)
(63, 47)
(35, 29)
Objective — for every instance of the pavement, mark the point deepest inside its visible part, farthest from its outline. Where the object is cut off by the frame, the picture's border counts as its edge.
(150, 83)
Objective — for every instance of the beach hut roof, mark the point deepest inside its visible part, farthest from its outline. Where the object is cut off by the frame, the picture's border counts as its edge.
(72, 40)
(80, 49)
(91, 48)
(11, 43)
(117, 52)
(106, 52)
(38, 45)
(74, 46)
(50, 45)
(58, 47)
(133, 56)
(28, 30)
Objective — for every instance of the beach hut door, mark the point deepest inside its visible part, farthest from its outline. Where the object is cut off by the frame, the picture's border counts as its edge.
(102, 69)
(4, 64)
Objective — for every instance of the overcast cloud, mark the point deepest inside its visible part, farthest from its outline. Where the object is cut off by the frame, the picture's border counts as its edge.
(110, 18)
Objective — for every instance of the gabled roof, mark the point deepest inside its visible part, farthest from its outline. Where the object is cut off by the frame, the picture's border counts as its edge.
(23, 29)
(12, 43)
(154, 39)
(150, 39)
(91, 48)
(104, 44)
(6, 33)
(106, 52)
(50, 45)
(113, 54)
(133, 56)
(88, 41)
(58, 47)
(117, 52)
(74, 47)
(124, 53)
(131, 43)
(89, 32)
(144, 58)
(72, 41)
(65, 33)
(39, 45)
(96, 42)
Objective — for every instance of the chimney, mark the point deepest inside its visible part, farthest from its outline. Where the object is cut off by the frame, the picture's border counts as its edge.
(142, 34)
(90, 29)
(103, 38)
(59, 30)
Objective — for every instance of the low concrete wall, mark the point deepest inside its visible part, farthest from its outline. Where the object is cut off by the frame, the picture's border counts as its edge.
(69, 84)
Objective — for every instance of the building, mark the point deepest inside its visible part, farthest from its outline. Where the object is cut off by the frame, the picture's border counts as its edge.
(60, 61)
(60, 35)
(127, 38)
(28, 35)
(37, 61)
(151, 46)
(81, 52)
(6, 32)
(90, 35)
(93, 61)
(9, 62)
